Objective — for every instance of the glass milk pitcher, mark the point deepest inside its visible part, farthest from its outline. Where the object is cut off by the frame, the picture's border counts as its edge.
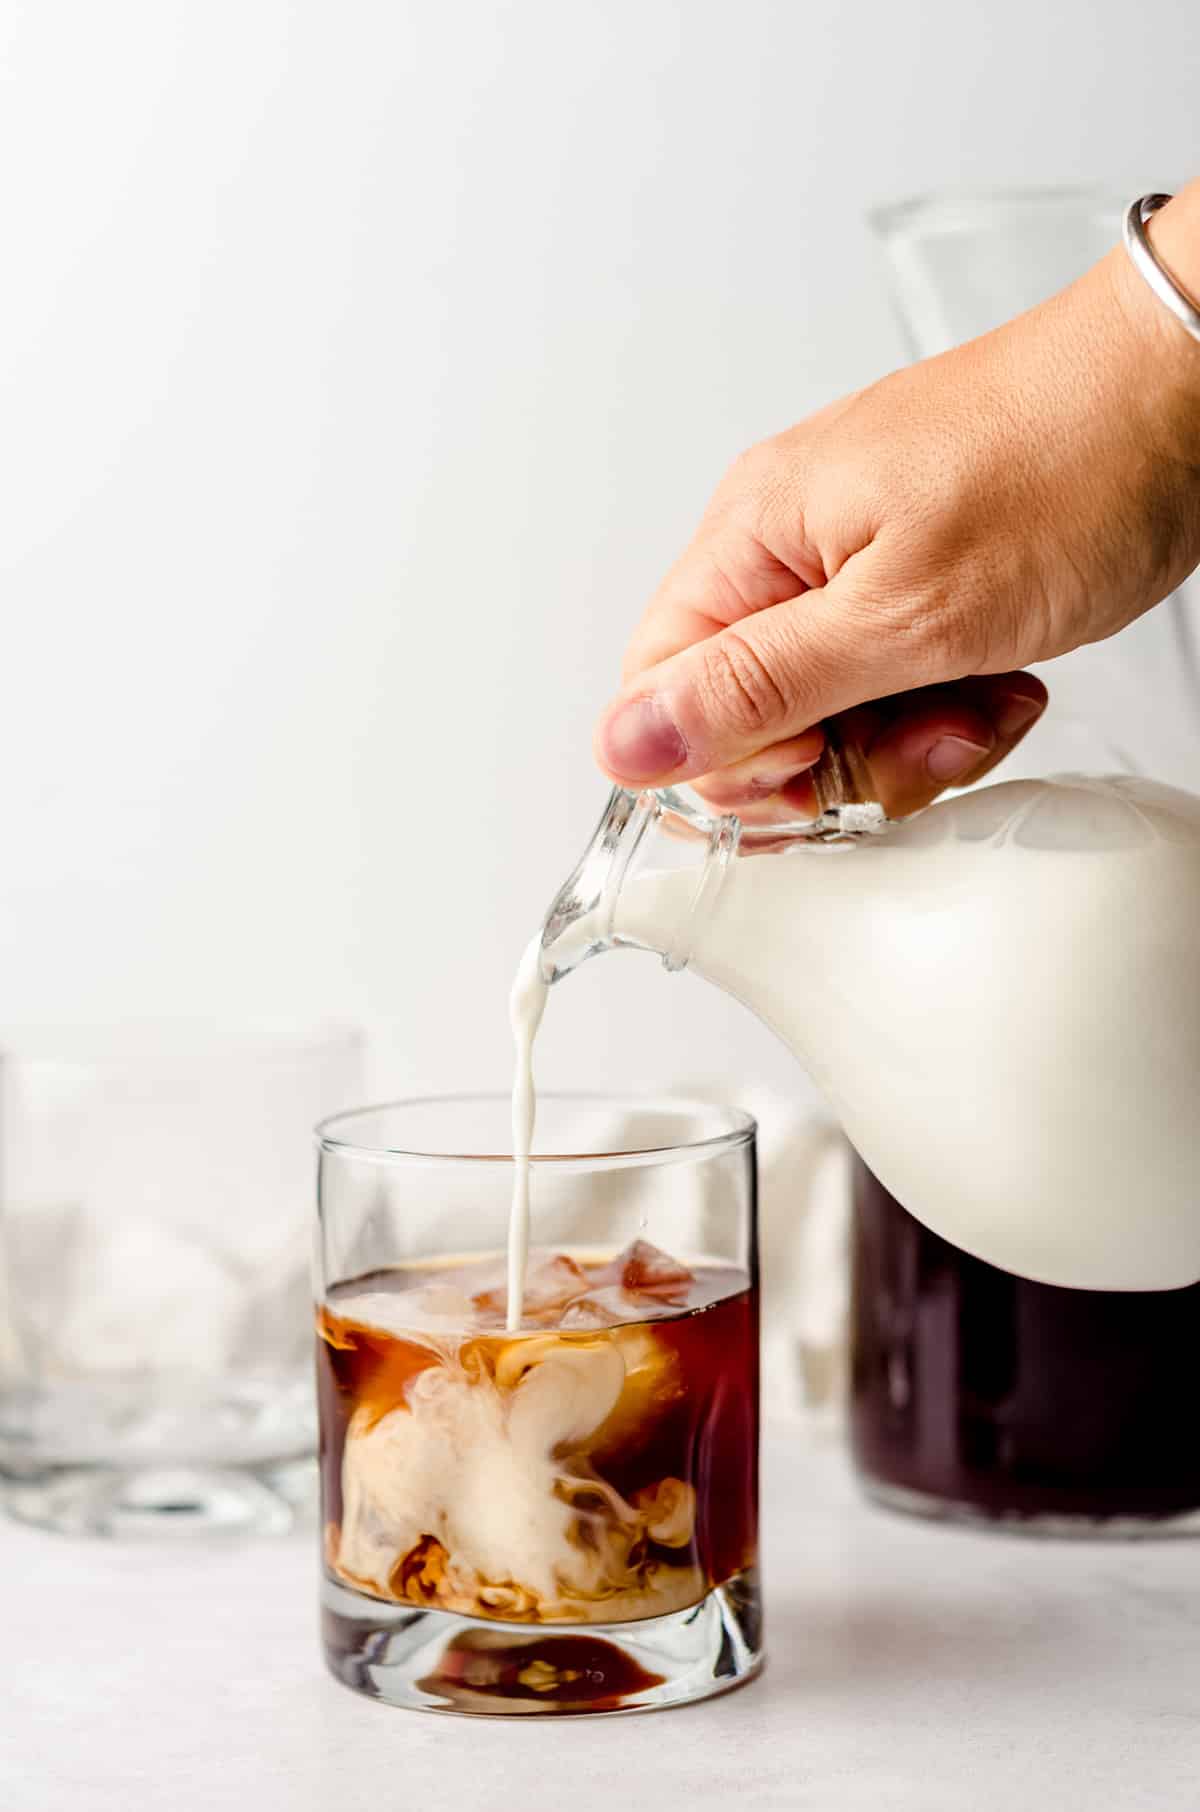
(1000, 1001)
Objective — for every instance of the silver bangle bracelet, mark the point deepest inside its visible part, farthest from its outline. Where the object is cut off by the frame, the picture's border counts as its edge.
(1146, 263)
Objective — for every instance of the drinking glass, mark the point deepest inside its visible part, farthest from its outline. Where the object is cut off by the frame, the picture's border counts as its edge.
(154, 1272)
(560, 1518)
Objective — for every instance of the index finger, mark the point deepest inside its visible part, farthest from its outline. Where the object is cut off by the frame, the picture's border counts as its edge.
(729, 570)
(710, 587)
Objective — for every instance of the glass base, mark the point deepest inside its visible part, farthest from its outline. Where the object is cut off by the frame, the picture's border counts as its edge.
(1050, 1524)
(435, 1661)
(170, 1499)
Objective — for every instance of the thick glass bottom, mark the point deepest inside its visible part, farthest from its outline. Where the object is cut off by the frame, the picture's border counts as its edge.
(434, 1661)
(169, 1499)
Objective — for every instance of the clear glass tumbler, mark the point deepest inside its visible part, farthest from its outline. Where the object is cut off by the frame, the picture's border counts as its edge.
(154, 1272)
(561, 1518)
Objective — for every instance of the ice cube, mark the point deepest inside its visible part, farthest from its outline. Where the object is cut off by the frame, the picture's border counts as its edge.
(603, 1308)
(552, 1282)
(440, 1305)
(473, 1293)
(141, 1294)
(645, 1269)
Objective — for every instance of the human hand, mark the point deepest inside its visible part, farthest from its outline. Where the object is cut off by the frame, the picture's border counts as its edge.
(897, 558)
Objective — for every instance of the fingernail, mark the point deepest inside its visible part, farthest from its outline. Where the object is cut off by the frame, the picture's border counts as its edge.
(952, 756)
(1014, 711)
(641, 741)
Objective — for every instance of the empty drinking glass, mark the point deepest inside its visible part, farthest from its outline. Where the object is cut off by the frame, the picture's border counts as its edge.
(155, 1352)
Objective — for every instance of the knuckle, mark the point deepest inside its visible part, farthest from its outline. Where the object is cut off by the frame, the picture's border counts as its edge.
(754, 475)
(738, 688)
(751, 462)
(737, 482)
(724, 584)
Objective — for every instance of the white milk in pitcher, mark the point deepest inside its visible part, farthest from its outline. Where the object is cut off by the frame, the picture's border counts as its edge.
(1000, 1000)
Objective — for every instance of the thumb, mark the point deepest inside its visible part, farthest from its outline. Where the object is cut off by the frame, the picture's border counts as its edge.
(763, 679)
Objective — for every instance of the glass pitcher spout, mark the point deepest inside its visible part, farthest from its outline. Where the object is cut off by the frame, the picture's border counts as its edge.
(636, 831)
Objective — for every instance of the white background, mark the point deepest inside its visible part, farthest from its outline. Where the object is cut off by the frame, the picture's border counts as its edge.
(362, 366)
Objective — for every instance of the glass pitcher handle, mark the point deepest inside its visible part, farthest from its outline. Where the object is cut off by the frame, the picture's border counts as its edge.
(842, 783)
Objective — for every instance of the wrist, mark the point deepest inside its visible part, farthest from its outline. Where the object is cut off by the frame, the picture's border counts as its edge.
(1125, 376)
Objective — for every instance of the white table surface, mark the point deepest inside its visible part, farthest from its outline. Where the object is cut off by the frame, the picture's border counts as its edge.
(910, 1666)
